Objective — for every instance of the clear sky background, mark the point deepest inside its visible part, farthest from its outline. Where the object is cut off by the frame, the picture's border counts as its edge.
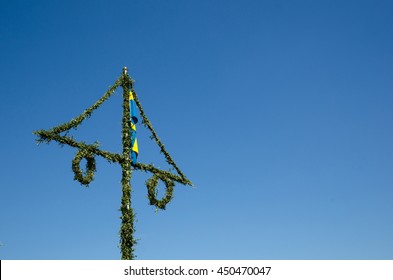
(279, 112)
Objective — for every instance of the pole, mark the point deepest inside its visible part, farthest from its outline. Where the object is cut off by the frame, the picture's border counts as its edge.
(127, 241)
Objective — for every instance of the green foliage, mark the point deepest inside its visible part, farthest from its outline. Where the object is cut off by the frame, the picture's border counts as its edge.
(90, 167)
(152, 191)
(89, 151)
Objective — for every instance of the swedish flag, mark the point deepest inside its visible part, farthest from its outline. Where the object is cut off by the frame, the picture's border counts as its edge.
(134, 120)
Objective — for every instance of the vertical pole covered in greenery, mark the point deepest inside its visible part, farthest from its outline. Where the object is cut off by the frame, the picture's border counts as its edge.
(89, 151)
(127, 240)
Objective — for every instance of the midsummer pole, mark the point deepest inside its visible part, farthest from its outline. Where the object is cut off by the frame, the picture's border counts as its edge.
(127, 159)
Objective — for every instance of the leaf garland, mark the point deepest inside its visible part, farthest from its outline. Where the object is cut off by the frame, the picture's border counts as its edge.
(89, 151)
(152, 191)
(90, 167)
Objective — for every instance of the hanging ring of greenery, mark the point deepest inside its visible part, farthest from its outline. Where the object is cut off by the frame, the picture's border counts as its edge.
(84, 177)
(152, 184)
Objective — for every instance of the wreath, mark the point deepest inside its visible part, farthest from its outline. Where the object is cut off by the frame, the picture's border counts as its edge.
(152, 191)
(84, 177)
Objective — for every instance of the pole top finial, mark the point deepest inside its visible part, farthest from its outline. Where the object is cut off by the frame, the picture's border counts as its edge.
(125, 70)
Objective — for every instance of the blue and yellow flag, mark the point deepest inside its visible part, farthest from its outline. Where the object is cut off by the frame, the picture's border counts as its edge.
(134, 120)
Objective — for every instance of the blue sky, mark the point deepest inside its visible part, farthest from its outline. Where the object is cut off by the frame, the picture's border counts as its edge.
(280, 113)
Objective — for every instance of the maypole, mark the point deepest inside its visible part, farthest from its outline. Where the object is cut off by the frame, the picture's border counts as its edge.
(127, 159)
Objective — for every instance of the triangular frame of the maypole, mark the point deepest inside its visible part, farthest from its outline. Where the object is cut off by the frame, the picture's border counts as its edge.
(89, 151)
